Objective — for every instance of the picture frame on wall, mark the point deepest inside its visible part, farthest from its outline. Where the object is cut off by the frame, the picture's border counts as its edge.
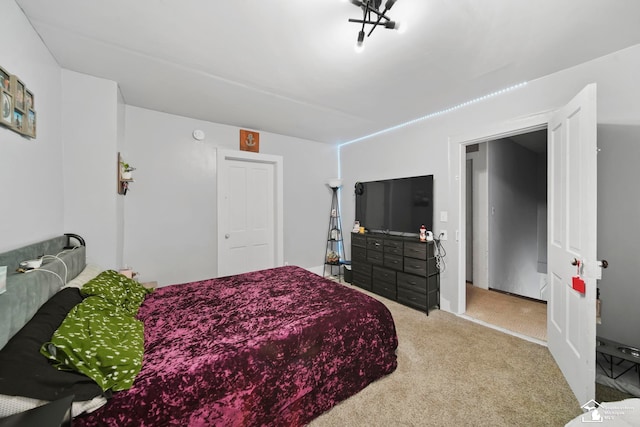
(17, 105)
(18, 120)
(29, 101)
(5, 80)
(18, 93)
(7, 109)
(249, 141)
(31, 123)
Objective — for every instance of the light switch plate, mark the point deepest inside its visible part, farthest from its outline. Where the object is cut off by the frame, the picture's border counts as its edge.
(444, 216)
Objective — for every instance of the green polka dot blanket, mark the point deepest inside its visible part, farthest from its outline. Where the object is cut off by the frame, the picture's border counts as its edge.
(100, 337)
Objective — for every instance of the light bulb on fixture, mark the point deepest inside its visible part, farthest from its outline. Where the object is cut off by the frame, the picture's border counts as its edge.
(359, 45)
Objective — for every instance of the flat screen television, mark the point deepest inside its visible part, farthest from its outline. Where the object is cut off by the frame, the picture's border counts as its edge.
(395, 206)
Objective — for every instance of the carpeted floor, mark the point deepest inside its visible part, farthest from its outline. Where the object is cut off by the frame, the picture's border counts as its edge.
(524, 316)
(452, 371)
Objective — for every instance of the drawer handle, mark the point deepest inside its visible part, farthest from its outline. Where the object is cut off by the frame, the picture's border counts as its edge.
(413, 283)
(416, 266)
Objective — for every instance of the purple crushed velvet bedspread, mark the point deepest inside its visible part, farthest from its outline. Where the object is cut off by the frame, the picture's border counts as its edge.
(270, 348)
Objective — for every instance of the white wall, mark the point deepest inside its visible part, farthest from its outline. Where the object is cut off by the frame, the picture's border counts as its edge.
(618, 231)
(424, 147)
(31, 194)
(170, 210)
(90, 113)
(121, 137)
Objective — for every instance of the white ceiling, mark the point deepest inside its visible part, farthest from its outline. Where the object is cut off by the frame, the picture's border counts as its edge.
(289, 66)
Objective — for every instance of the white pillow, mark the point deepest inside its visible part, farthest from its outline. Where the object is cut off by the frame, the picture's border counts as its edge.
(89, 272)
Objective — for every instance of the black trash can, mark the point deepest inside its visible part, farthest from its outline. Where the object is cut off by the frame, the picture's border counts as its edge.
(347, 273)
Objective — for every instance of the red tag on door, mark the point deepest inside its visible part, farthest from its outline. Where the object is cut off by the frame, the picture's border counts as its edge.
(578, 284)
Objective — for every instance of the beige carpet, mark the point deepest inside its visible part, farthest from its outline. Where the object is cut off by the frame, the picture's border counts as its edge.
(452, 371)
(515, 314)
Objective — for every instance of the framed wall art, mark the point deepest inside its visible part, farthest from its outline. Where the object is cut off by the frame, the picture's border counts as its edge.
(17, 105)
(18, 93)
(249, 140)
(18, 120)
(7, 109)
(31, 123)
(28, 100)
(5, 80)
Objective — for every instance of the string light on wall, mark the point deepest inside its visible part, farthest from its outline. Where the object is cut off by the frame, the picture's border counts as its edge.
(373, 16)
(437, 113)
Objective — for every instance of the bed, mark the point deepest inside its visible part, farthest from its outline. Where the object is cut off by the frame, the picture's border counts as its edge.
(273, 347)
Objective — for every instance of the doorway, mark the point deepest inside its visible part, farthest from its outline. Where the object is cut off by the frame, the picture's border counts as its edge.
(572, 231)
(506, 232)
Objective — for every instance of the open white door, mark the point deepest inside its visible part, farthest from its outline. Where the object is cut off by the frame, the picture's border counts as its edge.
(571, 315)
(249, 212)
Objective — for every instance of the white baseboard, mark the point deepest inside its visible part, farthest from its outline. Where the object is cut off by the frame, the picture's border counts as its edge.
(317, 270)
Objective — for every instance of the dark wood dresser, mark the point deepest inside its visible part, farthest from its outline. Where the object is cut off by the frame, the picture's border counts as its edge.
(402, 269)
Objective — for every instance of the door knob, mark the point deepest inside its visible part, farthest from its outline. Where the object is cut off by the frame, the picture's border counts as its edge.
(226, 236)
(604, 263)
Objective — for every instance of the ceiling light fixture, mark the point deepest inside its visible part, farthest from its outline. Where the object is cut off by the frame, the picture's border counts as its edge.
(371, 15)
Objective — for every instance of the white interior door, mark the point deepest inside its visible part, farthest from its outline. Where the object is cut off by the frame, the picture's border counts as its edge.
(249, 212)
(571, 316)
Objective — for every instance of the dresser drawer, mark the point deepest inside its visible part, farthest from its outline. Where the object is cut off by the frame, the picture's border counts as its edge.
(375, 243)
(412, 299)
(393, 261)
(392, 250)
(361, 280)
(358, 254)
(359, 240)
(383, 275)
(415, 266)
(361, 268)
(384, 282)
(412, 283)
(387, 290)
(393, 247)
(374, 257)
(415, 250)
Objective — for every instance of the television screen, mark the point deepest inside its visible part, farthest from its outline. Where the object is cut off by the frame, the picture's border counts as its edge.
(400, 205)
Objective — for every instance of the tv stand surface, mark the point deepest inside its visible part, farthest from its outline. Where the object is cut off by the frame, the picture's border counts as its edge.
(401, 268)
(403, 234)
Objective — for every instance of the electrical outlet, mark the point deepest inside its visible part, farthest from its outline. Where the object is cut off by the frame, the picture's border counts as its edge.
(443, 235)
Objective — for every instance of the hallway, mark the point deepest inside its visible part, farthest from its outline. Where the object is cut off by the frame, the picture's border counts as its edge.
(521, 315)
